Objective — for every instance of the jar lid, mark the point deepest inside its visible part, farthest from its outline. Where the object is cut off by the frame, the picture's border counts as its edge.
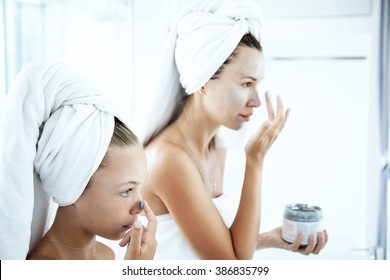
(301, 212)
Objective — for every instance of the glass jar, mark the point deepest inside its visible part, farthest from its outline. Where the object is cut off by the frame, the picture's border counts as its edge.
(304, 218)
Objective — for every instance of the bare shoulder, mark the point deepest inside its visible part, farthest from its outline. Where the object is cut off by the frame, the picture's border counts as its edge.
(166, 154)
(166, 161)
(104, 252)
(169, 166)
(40, 256)
(44, 251)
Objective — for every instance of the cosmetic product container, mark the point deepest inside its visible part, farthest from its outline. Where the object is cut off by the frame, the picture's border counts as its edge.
(299, 217)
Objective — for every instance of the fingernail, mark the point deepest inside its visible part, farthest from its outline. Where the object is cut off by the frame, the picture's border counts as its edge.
(137, 224)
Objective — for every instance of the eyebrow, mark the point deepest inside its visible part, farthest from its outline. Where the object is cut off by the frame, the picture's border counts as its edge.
(133, 182)
(250, 77)
(129, 182)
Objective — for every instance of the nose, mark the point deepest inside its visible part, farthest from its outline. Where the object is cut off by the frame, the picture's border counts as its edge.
(137, 205)
(254, 100)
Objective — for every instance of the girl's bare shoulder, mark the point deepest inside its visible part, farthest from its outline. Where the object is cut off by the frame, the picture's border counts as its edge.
(44, 251)
(104, 252)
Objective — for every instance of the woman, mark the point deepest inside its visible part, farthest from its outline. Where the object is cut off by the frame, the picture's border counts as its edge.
(61, 140)
(209, 73)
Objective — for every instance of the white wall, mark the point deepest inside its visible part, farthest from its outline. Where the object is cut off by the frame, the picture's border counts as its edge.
(329, 153)
(94, 35)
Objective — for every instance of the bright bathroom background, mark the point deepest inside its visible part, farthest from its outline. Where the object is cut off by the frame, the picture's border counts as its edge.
(322, 57)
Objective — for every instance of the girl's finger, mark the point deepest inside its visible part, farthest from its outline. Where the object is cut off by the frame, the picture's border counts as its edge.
(152, 221)
(134, 247)
(126, 239)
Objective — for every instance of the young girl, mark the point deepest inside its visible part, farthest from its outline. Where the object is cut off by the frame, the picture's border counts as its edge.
(209, 75)
(62, 130)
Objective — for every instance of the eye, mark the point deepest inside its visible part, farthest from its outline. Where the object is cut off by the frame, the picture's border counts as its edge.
(126, 193)
(247, 84)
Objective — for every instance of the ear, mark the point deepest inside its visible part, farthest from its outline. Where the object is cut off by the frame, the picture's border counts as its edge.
(202, 90)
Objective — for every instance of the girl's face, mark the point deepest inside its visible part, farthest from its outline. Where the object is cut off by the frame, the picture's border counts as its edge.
(109, 206)
(231, 98)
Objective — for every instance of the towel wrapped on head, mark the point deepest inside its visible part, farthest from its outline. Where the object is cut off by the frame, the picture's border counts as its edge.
(200, 40)
(56, 126)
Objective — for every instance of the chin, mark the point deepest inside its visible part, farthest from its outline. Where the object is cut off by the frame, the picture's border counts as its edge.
(114, 236)
(235, 126)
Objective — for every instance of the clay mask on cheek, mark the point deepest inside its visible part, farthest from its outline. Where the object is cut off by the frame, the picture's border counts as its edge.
(233, 101)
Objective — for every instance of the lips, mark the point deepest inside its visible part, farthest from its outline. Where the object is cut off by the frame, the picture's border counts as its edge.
(131, 223)
(246, 117)
(129, 226)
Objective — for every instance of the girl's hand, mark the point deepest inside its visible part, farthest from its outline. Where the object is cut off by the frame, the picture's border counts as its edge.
(141, 241)
(259, 144)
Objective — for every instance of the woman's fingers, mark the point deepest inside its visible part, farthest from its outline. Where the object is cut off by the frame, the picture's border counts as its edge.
(322, 239)
(284, 120)
(270, 109)
(320, 243)
(282, 114)
(326, 236)
(310, 247)
(279, 121)
(261, 141)
(297, 242)
(280, 107)
(259, 133)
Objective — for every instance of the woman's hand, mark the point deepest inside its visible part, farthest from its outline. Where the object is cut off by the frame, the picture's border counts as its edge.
(273, 239)
(141, 241)
(259, 144)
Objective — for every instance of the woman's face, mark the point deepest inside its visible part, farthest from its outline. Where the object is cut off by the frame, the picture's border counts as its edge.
(109, 206)
(231, 98)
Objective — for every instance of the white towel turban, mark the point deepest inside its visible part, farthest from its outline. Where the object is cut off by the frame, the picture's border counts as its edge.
(202, 37)
(55, 129)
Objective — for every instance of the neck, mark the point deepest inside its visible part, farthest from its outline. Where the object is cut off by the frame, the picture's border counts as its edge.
(197, 129)
(52, 237)
(67, 235)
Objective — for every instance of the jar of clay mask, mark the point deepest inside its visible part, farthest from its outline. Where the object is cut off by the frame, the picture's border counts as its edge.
(301, 218)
